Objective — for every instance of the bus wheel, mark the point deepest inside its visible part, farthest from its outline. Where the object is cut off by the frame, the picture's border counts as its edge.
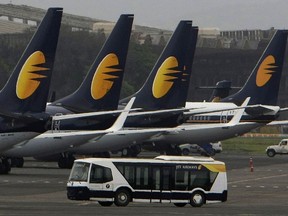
(122, 197)
(103, 203)
(197, 199)
(180, 204)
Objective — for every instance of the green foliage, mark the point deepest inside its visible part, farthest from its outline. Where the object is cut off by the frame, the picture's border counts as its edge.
(140, 61)
(255, 145)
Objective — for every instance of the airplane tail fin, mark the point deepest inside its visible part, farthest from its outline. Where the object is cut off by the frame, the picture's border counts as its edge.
(100, 89)
(163, 88)
(183, 93)
(263, 84)
(28, 86)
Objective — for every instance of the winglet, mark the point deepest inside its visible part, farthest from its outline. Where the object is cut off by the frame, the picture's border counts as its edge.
(237, 117)
(118, 124)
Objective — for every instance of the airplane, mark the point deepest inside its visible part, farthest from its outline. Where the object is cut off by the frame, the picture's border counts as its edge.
(179, 130)
(262, 86)
(172, 61)
(55, 142)
(127, 137)
(99, 91)
(168, 82)
(23, 98)
(258, 112)
(220, 91)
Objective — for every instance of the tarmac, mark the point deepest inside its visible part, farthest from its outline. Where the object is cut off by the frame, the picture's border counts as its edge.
(40, 188)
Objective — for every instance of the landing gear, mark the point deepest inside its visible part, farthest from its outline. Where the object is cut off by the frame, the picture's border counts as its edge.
(17, 162)
(173, 150)
(132, 151)
(66, 161)
(5, 165)
(102, 155)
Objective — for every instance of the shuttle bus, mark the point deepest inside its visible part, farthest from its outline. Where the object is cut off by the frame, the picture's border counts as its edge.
(166, 179)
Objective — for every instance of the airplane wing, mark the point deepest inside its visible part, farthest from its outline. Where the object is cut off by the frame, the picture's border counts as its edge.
(187, 111)
(60, 141)
(237, 117)
(281, 122)
(26, 117)
(154, 112)
(176, 130)
(82, 115)
(256, 110)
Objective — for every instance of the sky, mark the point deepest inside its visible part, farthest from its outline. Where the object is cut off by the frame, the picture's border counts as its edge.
(165, 14)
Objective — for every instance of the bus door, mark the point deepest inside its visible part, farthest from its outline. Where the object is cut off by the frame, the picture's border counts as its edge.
(161, 184)
(166, 184)
(100, 180)
(156, 184)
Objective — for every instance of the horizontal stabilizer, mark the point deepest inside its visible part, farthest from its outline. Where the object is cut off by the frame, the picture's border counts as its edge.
(154, 112)
(83, 115)
(256, 110)
(284, 122)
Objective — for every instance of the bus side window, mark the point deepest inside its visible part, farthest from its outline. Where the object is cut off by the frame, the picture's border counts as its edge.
(181, 179)
(129, 174)
(156, 178)
(200, 179)
(100, 174)
(107, 175)
(213, 176)
(142, 178)
(166, 178)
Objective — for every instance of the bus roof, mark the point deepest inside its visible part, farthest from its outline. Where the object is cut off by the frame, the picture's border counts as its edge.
(184, 158)
(158, 159)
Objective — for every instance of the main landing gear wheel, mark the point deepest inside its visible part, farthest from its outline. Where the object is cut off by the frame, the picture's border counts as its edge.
(5, 165)
(66, 161)
(17, 162)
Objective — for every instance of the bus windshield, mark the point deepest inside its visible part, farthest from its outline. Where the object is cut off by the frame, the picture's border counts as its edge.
(79, 172)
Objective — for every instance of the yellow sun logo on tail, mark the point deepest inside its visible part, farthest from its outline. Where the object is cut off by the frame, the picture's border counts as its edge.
(28, 79)
(104, 76)
(265, 71)
(165, 77)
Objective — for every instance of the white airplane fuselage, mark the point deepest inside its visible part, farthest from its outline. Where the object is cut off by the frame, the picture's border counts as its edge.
(85, 142)
(52, 142)
(7, 140)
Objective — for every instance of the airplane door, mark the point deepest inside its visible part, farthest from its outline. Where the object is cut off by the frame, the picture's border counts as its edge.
(224, 117)
(55, 126)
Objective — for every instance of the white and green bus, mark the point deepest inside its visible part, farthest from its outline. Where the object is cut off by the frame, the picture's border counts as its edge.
(174, 179)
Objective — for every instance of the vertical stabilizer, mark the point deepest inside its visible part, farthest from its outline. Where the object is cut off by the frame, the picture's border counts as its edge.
(163, 87)
(263, 84)
(28, 86)
(100, 89)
